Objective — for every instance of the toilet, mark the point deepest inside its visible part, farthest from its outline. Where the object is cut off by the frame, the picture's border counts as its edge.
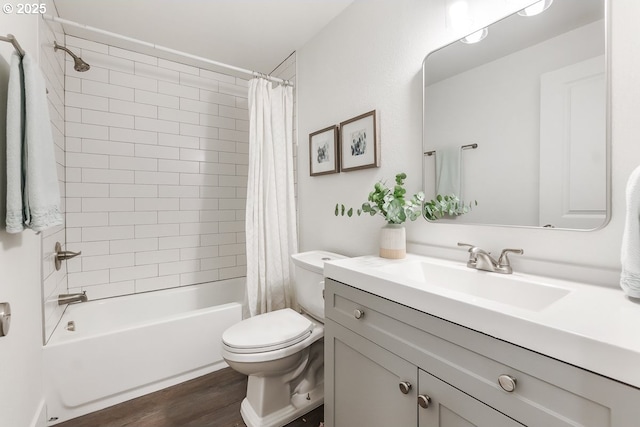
(282, 352)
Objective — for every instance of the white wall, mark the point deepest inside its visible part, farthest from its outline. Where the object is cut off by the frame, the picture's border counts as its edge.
(156, 157)
(370, 57)
(21, 397)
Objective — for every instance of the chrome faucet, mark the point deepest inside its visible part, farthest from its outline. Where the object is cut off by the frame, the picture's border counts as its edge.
(72, 298)
(482, 260)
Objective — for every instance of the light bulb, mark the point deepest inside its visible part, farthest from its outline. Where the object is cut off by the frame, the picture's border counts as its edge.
(459, 15)
(536, 8)
(475, 37)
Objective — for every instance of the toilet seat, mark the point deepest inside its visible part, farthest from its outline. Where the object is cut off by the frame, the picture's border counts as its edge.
(267, 332)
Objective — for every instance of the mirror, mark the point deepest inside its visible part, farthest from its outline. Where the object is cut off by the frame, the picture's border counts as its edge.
(518, 122)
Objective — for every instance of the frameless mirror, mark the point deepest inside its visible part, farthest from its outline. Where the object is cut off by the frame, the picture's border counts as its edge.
(518, 122)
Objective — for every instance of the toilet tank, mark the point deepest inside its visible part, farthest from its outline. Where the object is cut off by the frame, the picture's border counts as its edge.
(309, 280)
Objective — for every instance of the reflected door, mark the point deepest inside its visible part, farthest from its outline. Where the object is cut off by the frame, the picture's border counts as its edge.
(572, 128)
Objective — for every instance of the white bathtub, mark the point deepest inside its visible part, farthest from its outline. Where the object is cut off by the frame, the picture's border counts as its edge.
(129, 346)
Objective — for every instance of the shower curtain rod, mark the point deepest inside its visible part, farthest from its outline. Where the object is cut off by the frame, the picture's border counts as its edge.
(166, 49)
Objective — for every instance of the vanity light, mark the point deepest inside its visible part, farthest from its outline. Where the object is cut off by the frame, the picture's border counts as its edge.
(536, 8)
(459, 17)
(475, 37)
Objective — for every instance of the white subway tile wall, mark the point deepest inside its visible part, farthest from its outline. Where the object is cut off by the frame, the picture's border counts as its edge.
(157, 155)
(52, 65)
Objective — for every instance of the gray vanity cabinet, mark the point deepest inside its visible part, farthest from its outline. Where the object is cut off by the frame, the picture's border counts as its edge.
(446, 406)
(384, 362)
(366, 379)
(374, 387)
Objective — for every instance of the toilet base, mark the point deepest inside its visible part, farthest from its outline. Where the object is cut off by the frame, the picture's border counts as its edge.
(300, 404)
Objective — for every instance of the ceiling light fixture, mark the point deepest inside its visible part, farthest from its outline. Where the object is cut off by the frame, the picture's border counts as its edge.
(536, 8)
(459, 16)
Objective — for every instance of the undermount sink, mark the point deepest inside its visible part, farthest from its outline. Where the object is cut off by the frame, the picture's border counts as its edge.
(523, 292)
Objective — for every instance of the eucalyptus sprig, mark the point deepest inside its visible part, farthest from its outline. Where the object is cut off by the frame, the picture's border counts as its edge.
(388, 202)
(445, 205)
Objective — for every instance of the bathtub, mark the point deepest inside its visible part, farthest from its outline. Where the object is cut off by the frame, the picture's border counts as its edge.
(126, 347)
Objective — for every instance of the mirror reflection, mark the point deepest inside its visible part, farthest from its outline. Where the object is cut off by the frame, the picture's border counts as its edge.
(515, 119)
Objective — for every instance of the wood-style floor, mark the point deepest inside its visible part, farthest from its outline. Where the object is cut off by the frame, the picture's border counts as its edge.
(209, 401)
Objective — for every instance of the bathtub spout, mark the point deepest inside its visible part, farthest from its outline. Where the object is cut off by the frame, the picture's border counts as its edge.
(72, 298)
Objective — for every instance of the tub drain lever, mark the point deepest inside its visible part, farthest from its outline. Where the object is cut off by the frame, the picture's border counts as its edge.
(63, 255)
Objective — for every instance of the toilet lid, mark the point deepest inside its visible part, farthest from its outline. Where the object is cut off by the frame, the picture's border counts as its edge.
(267, 332)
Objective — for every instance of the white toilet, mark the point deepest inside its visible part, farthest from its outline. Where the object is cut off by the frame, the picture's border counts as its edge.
(282, 352)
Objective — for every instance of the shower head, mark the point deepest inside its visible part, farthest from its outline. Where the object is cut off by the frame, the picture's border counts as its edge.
(79, 65)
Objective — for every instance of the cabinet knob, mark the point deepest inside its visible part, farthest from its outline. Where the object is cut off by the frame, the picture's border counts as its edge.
(507, 382)
(424, 401)
(358, 314)
(405, 387)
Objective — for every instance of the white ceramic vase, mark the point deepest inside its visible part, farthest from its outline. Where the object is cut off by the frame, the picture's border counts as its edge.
(393, 241)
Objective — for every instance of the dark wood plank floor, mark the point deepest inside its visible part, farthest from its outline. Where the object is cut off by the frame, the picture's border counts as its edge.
(209, 401)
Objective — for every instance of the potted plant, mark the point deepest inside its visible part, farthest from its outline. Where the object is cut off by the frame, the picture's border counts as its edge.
(393, 205)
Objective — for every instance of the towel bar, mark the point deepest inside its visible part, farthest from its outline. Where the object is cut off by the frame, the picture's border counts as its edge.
(434, 153)
(11, 39)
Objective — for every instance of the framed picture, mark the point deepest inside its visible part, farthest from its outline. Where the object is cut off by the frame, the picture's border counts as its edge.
(359, 148)
(323, 152)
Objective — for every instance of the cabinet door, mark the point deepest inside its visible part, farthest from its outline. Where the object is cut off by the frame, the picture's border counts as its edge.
(363, 383)
(449, 407)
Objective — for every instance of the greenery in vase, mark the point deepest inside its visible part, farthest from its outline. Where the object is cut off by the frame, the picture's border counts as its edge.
(445, 205)
(391, 203)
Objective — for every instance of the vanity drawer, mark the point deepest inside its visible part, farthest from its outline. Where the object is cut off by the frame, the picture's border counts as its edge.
(547, 392)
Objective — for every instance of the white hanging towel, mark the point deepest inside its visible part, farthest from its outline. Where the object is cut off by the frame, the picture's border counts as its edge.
(630, 253)
(30, 144)
(15, 119)
(448, 171)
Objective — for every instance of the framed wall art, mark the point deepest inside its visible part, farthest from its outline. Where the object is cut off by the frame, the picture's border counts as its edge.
(359, 148)
(324, 156)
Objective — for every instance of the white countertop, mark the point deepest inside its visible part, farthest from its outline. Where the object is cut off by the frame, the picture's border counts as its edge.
(592, 327)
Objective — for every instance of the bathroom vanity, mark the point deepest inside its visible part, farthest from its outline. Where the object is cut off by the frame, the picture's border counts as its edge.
(407, 344)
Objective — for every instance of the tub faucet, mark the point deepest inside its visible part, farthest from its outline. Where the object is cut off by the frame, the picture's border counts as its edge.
(482, 260)
(72, 298)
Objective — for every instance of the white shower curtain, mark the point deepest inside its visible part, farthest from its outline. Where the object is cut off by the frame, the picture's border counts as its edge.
(271, 215)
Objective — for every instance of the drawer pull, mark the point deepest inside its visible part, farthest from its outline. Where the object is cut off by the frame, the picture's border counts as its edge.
(358, 314)
(424, 401)
(405, 387)
(507, 382)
